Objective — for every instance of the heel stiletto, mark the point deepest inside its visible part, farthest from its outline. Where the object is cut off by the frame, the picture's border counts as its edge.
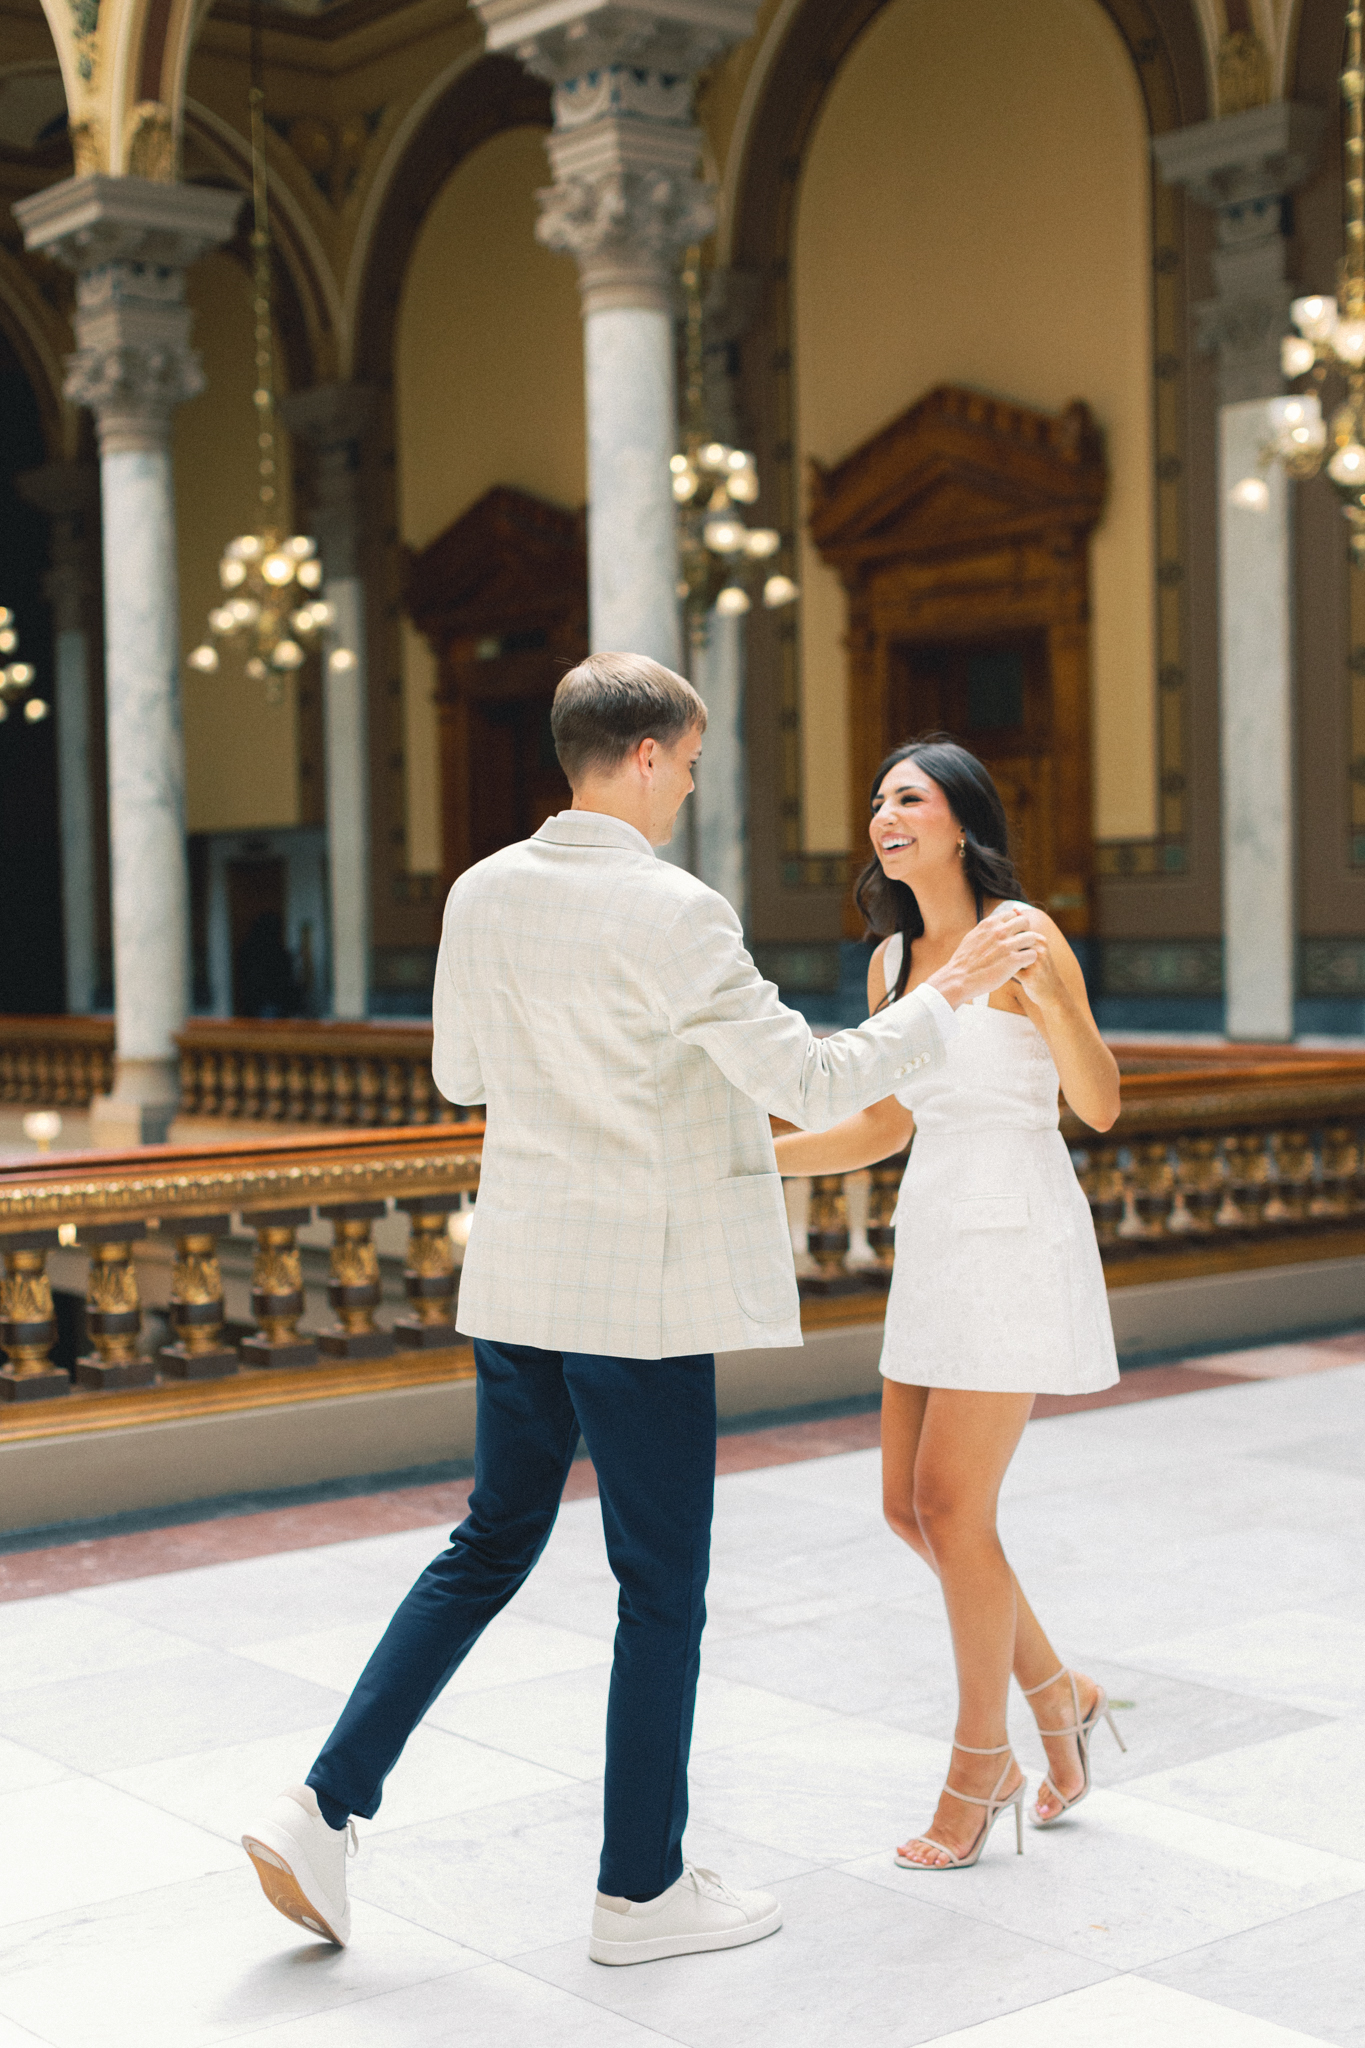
(994, 1806)
(1082, 1728)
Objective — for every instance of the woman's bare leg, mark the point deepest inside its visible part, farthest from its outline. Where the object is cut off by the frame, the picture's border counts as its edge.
(1033, 1658)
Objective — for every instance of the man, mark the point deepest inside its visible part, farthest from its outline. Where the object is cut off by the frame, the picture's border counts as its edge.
(630, 1224)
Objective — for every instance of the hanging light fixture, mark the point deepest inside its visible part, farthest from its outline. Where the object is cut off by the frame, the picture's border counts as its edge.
(1329, 344)
(16, 677)
(719, 556)
(270, 581)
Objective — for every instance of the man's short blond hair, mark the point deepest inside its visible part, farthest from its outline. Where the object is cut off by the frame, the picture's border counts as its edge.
(610, 702)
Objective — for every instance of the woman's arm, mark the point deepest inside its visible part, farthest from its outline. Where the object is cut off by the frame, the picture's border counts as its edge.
(860, 1140)
(1053, 994)
(875, 1133)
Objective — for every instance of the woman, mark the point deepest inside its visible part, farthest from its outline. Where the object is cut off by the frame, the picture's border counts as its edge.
(998, 1292)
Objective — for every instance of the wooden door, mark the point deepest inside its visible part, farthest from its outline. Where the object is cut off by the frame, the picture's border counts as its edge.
(994, 696)
(516, 782)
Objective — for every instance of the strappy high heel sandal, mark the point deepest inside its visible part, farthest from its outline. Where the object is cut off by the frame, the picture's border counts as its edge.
(994, 1805)
(1082, 1728)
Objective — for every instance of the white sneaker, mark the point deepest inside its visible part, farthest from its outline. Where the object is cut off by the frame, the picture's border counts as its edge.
(698, 1912)
(301, 1863)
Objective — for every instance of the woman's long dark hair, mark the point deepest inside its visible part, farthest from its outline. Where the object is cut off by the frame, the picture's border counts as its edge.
(890, 906)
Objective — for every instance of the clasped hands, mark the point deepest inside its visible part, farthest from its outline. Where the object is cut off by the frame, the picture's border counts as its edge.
(1002, 947)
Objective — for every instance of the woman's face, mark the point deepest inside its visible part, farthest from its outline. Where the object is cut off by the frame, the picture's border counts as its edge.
(912, 828)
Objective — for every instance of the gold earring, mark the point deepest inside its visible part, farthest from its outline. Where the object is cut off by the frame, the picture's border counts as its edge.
(962, 849)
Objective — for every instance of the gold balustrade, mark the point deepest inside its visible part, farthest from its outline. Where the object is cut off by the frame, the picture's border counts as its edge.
(56, 1062)
(361, 1075)
(106, 1202)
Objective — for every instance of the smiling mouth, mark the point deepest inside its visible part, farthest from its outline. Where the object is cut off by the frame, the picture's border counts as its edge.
(894, 845)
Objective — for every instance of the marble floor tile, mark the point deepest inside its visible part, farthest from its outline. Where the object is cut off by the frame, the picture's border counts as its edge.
(838, 1788)
(55, 1639)
(22, 1769)
(524, 1874)
(1124, 1889)
(1343, 1452)
(560, 1722)
(77, 1842)
(1305, 1788)
(851, 1964)
(510, 1650)
(1296, 1658)
(195, 1963)
(438, 1774)
(1128, 2012)
(12, 2036)
(193, 1702)
(253, 1598)
(493, 2007)
(863, 1659)
(1302, 1971)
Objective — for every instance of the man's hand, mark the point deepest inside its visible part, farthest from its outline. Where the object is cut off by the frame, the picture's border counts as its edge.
(991, 954)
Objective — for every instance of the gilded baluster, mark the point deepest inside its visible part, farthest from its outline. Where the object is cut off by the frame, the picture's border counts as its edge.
(1152, 1180)
(421, 1094)
(1250, 1183)
(208, 1084)
(827, 1236)
(355, 1289)
(429, 1274)
(1101, 1177)
(251, 1086)
(277, 1292)
(1337, 1194)
(881, 1207)
(274, 1087)
(343, 1093)
(368, 1086)
(230, 1086)
(197, 1350)
(394, 1093)
(1199, 1183)
(189, 1082)
(296, 1089)
(28, 1320)
(1292, 1152)
(320, 1089)
(113, 1311)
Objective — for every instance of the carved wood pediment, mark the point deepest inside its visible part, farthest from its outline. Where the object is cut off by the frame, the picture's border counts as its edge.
(958, 472)
(511, 563)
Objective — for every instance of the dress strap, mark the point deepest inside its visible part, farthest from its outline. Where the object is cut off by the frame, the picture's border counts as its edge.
(891, 961)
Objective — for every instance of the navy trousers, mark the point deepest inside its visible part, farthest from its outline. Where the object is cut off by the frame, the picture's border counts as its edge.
(650, 1428)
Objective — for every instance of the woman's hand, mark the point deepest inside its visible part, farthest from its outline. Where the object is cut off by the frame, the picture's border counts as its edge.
(1052, 990)
(1040, 986)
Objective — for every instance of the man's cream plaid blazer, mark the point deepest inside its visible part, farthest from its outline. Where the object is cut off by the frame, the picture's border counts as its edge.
(602, 1005)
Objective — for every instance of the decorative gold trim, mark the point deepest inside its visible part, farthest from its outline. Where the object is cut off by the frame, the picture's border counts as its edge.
(207, 1192)
(278, 1388)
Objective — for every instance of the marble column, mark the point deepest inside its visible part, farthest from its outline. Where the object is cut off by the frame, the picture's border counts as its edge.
(334, 419)
(719, 805)
(625, 202)
(1244, 168)
(68, 492)
(129, 241)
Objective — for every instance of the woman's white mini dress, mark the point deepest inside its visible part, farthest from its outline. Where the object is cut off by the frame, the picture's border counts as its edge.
(997, 1285)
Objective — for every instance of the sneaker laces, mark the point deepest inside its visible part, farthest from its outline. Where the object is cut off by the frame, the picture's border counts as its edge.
(712, 1884)
(352, 1839)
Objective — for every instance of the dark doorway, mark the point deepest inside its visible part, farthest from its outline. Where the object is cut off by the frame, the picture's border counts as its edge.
(994, 695)
(516, 781)
(264, 976)
(32, 973)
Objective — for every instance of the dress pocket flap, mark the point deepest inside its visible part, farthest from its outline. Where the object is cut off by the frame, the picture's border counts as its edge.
(991, 1212)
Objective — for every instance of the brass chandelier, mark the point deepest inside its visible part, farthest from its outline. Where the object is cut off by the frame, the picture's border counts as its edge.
(1330, 342)
(269, 608)
(718, 555)
(16, 677)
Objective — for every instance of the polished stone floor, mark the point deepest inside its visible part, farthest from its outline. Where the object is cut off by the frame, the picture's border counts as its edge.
(1200, 1554)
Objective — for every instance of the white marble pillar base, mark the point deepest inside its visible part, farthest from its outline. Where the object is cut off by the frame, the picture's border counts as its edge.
(1257, 702)
(146, 792)
(345, 700)
(721, 836)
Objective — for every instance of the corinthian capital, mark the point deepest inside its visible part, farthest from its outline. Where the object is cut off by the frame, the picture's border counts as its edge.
(129, 241)
(626, 198)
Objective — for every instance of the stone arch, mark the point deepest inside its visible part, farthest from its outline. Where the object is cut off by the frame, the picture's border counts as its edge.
(39, 338)
(795, 894)
(493, 94)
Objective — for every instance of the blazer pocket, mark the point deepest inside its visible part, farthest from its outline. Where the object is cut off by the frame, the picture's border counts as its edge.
(753, 1218)
(991, 1212)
